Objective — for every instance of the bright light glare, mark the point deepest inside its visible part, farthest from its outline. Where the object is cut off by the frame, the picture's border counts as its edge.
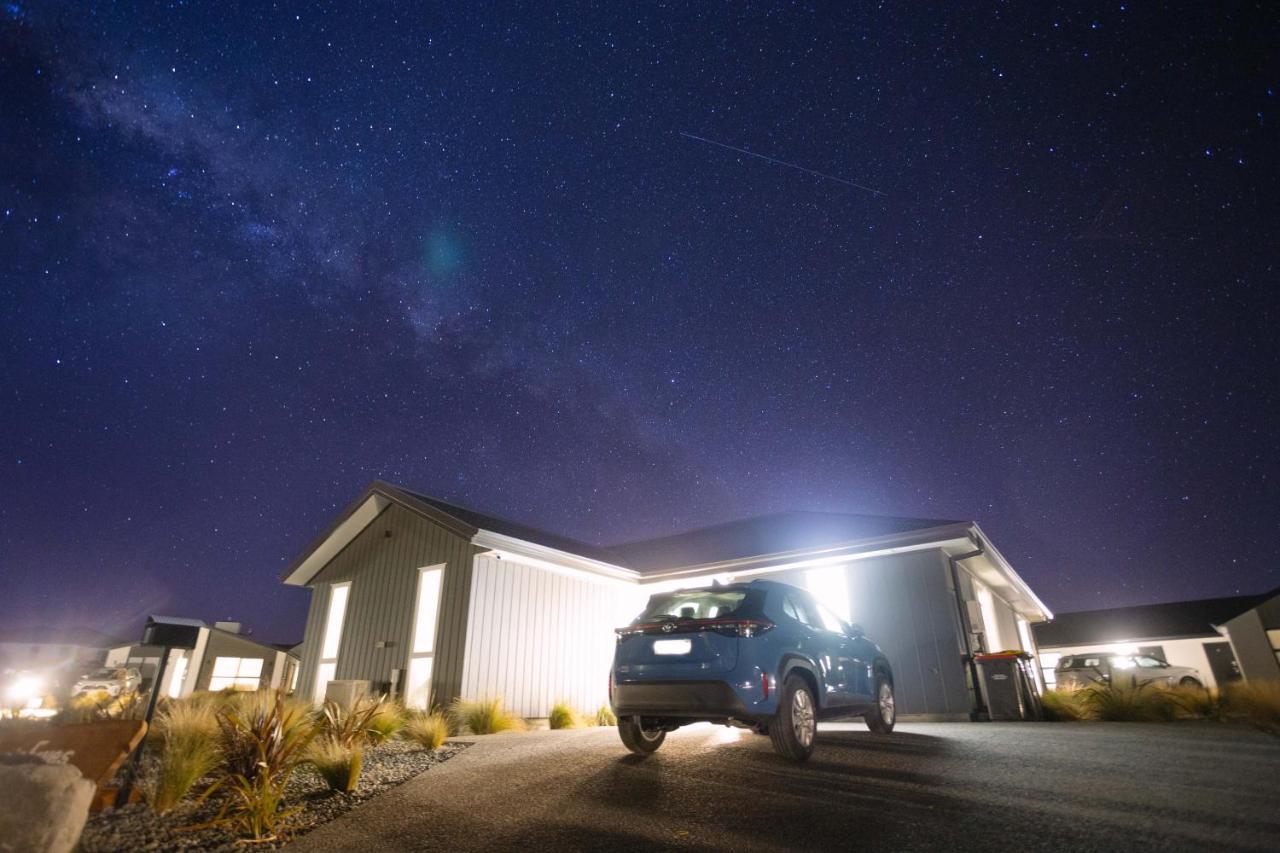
(24, 689)
(830, 586)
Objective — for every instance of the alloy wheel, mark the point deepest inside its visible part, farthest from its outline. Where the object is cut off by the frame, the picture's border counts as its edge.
(886, 704)
(802, 719)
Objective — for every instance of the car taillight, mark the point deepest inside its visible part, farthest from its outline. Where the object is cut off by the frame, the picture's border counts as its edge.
(744, 628)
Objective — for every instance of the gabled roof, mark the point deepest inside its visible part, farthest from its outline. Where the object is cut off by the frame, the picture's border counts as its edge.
(764, 534)
(747, 545)
(479, 521)
(1177, 619)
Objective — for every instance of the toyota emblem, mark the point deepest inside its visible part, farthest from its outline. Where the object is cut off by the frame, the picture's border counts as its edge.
(668, 627)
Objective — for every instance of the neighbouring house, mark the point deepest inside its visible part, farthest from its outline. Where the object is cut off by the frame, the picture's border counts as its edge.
(1197, 634)
(45, 646)
(432, 601)
(64, 652)
(223, 658)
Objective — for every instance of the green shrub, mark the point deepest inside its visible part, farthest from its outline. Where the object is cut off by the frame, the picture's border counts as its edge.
(1061, 706)
(338, 764)
(484, 717)
(1127, 704)
(605, 716)
(427, 730)
(1256, 701)
(562, 717)
(387, 719)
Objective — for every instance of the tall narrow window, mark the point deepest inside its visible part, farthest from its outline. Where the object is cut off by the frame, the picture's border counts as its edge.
(417, 689)
(991, 627)
(327, 668)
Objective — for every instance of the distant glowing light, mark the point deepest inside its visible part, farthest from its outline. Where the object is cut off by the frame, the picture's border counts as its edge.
(830, 586)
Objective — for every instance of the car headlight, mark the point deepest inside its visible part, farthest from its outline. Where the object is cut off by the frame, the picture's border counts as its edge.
(24, 688)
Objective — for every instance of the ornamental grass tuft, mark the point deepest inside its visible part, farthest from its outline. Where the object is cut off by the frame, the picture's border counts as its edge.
(427, 730)
(484, 717)
(563, 716)
(338, 764)
(1258, 702)
(188, 751)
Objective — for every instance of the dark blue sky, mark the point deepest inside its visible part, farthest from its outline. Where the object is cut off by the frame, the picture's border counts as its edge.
(254, 257)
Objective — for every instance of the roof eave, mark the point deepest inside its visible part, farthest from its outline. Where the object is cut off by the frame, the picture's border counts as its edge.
(932, 537)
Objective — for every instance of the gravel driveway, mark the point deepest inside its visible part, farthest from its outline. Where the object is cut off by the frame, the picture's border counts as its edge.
(1069, 786)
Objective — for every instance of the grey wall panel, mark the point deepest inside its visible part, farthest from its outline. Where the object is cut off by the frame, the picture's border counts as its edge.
(382, 566)
(536, 636)
(1252, 647)
(310, 647)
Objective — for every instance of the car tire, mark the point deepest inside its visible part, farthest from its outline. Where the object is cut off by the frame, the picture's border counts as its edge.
(796, 725)
(637, 739)
(1188, 681)
(882, 717)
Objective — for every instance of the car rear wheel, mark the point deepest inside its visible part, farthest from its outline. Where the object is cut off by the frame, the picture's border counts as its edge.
(638, 739)
(881, 718)
(796, 725)
(1188, 681)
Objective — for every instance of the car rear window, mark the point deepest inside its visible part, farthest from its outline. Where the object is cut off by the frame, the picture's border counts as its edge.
(695, 604)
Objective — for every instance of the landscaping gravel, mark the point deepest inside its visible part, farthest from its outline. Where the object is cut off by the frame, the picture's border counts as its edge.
(136, 827)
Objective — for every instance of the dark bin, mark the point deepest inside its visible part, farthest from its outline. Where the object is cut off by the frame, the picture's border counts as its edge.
(1007, 686)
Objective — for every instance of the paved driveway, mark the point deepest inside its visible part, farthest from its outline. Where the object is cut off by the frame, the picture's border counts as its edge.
(943, 786)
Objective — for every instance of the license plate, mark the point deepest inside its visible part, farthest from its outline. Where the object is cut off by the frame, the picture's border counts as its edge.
(672, 647)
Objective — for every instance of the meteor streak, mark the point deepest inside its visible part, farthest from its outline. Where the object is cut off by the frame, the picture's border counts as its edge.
(778, 162)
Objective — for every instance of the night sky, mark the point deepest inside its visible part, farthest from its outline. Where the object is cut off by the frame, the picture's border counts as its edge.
(253, 257)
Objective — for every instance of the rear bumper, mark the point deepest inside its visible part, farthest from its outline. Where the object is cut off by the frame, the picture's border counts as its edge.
(699, 700)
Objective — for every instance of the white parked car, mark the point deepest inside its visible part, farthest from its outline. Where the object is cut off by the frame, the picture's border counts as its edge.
(1081, 670)
(112, 680)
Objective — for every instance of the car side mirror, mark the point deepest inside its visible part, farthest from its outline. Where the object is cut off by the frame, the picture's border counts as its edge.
(856, 630)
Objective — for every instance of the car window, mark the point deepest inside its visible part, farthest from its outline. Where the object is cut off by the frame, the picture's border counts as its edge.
(802, 610)
(1147, 661)
(789, 608)
(1079, 663)
(830, 621)
(694, 604)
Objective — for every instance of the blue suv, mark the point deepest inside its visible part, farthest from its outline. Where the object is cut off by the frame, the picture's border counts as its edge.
(761, 655)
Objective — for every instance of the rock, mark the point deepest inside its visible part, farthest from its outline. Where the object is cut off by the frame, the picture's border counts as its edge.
(44, 806)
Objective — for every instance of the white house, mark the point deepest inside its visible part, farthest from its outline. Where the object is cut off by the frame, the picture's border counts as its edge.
(223, 658)
(1182, 633)
(434, 601)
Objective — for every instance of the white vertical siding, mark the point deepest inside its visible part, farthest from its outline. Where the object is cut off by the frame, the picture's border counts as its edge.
(536, 635)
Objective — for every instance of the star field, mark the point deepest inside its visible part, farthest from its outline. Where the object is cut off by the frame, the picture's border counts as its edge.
(254, 256)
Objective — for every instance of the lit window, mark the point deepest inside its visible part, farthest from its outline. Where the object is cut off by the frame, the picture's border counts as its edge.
(179, 673)
(236, 673)
(417, 688)
(327, 666)
(991, 628)
(333, 624)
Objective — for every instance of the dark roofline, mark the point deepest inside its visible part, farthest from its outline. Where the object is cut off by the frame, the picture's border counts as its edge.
(1169, 620)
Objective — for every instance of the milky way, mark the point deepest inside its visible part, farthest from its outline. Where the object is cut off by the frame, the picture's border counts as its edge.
(253, 258)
